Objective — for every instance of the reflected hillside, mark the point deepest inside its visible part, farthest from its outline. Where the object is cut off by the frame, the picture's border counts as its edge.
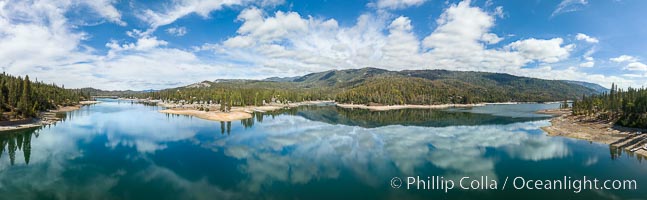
(408, 117)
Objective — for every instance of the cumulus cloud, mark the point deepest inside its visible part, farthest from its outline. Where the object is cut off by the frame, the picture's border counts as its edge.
(460, 24)
(569, 6)
(633, 63)
(400, 42)
(548, 51)
(265, 30)
(284, 43)
(397, 4)
(36, 37)
(589, 39)
(491, 38)
(292, 44)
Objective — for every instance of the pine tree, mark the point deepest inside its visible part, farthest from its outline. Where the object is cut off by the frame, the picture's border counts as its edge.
(1, 105)
(25, 98)
(231, 101)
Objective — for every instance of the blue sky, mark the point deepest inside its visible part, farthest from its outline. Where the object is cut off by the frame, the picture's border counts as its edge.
(129, 44)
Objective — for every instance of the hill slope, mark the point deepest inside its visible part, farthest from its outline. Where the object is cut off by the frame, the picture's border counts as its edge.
(372, 85)
(593, 86)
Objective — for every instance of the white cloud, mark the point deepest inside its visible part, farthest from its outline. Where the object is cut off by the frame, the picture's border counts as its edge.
(268, 3)
(265, 30)
(400, 42)
(549, 51)
(633, 63)
(636, 66)
(589, 39)
(624, 58)
(106, 9)
(35, 37)
(278, 43)
(397, 4)
(569, 6)
(38, 40)
(148, 64)
(498, 11)
(491, 38)
(144, 43)
(460, 25)
(287, 41)
(587, 64)
(458, 43)
(572, 73)
(180, 8)
(177, 31)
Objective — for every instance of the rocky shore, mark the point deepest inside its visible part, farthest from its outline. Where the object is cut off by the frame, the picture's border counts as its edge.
(592, 129)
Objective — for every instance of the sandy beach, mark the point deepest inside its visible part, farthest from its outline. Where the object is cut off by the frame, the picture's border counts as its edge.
(586, 128)
(395, 107)
(46, 118)
(212, 115)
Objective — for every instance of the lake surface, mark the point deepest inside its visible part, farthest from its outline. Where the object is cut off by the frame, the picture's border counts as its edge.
(120, 150)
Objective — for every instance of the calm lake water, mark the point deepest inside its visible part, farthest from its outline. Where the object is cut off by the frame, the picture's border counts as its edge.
(120, 150)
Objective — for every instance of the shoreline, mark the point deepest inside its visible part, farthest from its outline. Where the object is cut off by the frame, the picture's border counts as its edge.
(522, 102)
(565, 124)
(239, 113)
(397, 107)
(236, 113)
(46, 117)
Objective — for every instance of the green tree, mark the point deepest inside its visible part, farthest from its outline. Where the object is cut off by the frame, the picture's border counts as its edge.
(25, 104)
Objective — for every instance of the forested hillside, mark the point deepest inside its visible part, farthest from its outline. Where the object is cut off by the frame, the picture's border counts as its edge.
(371, 85)
(22, 98)
(625, 107)
(239, 93)
(442, 86)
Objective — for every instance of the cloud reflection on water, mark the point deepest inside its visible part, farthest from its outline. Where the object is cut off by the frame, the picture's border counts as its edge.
(286, 149)
(296, 150)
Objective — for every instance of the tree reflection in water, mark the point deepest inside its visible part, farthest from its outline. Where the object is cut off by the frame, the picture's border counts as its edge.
(16, 141)
(408, 117)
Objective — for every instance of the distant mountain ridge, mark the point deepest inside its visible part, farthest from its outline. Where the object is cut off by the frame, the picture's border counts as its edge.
(380, 86)
(351, 75)
(596, 87)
